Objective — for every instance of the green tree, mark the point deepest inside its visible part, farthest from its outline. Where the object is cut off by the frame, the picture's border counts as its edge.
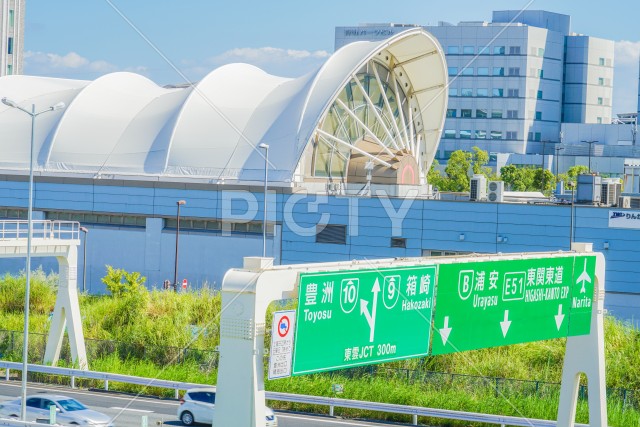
(457, 171)
(433, 176)
(518, 179)
(480, 158)
(120, 282)
(459, 166)
(545, 180)
(572, 173)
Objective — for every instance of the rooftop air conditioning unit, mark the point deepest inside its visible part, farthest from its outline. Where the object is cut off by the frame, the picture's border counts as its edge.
(624, 202)
(589, 189)
(610, 192)
(496, 191)
(478, 188)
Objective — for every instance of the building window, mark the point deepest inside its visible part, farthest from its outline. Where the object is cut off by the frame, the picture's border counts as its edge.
(9, 69)
(483, 71)
(514, 50)
(465, 134)
(432, 252)
(495, 134)
(535, 136)
(482, 92)
(465, 113)
(330, 233)
(496, 114)
(512, 114)
(11, 17)
(466, 92)
(600, 81)
(468, 50)
(399, 242)
(497, 93)
(13, 213)
(539, 94)
(481, 114)
(453, 91)
(453, 71)
(513, 135)
(601, 62)
(540, 73)
(600, 101)
(484, 50)
(103, 219)
(10, 46)
(449, 134)
(599, 120)
(498, 71)
(451, 112)
(513, 93)
(453, 50)
(498, 50)
(481, 134)
(514, 71)
(538, 115)
(541, 52)
(467, 71)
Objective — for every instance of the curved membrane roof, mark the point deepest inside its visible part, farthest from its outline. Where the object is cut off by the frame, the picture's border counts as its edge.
(123, 125)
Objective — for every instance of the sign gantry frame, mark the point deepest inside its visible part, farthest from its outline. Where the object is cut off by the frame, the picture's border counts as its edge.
(247, 293)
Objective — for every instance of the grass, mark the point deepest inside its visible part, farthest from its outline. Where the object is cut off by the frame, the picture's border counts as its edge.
(142, 325)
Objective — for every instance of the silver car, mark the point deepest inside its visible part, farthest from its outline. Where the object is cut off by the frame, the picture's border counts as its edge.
(68, 410)
(197, 404)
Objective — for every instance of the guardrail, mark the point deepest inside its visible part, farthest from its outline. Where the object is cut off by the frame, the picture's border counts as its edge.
(41, 229)
(330, 402)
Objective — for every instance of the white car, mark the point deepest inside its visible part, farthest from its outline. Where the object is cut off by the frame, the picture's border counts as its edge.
(69, 411)
(196, 406)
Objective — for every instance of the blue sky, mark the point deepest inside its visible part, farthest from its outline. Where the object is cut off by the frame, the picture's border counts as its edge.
(84, 39)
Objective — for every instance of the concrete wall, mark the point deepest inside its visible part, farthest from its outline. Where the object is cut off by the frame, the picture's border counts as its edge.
(427, 225)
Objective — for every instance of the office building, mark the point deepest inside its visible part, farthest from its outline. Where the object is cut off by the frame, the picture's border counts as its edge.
(514, 80)
(11, 36)
(119, 161)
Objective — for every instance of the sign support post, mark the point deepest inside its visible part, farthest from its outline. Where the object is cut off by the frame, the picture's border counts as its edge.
(66, 314)
(246, 295)
(585, 355)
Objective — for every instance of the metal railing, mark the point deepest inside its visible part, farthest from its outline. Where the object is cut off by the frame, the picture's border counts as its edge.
(207, 360)
(330, 402)
(41, 229)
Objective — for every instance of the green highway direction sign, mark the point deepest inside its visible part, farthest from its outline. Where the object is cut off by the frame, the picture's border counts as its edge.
(494, 303)
(360, 317)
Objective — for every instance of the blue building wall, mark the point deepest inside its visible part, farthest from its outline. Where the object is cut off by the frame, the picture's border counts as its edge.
(205, 256)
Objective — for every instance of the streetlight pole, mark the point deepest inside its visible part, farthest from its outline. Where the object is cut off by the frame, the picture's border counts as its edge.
(573, 188)
(558, 150)
(265, 147)
(544, 144)
(590, 142)
(175, 268)
(85, 230)
(25, 340)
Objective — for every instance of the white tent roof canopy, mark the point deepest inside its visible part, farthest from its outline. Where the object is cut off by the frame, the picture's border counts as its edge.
(122, 124)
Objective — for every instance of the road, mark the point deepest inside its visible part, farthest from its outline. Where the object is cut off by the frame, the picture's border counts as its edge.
(129, 411)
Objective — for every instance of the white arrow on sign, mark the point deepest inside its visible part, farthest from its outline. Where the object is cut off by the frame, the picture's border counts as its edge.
(364, 309)
(505, 324)
(445, 331)
(559, 317)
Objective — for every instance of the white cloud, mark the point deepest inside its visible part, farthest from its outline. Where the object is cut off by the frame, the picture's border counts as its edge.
(277, 61)
(71, 65)
(627, 52)
(269, 55)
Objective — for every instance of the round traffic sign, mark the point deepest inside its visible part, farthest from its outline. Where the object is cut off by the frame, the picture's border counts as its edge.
(283, 326)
